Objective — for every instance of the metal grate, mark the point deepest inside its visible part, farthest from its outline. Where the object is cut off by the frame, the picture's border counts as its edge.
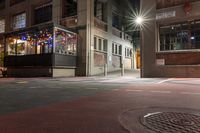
(172, 122)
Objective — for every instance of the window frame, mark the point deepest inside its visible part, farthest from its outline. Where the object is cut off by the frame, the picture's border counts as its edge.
(116, 49)
(170, 38)
(43, 6)
(128, 52)
(16, 21)
(101, 44)
(2, 25)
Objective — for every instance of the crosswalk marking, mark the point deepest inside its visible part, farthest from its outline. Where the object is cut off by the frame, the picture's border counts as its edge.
(190, 93)
(166, 92)
(134, 90)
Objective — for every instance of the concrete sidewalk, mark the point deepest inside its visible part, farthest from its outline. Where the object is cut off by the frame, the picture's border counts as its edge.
(127, 73)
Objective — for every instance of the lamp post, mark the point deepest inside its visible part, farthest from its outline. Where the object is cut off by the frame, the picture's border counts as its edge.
(139, 21)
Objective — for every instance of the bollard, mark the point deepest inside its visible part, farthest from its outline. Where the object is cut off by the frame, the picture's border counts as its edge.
(122, 69)
(105, 70)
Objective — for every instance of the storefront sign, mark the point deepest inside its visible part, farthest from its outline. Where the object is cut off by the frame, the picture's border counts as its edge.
(160, 62)
(165, 15)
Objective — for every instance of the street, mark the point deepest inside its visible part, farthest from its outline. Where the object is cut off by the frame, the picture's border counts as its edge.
(93, 104)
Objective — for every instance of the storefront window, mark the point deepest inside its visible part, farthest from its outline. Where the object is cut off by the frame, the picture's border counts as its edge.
(181, 36)
(30, 42)
(65, 42)
(41, 40)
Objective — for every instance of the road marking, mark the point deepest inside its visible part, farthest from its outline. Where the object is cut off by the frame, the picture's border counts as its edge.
(34, 87)
(92, 88)
(165, 92)
(189, 93)
(22, 82)
(134, 90)
(160, 82)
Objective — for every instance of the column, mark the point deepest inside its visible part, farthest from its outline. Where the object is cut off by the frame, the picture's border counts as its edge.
(84, 38)
(56, 11)
(148, 39)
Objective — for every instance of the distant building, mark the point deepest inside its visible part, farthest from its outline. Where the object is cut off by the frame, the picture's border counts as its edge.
(64, 37)
(178, 49)
(171, 39)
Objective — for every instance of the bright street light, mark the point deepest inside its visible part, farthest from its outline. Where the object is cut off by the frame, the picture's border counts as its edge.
(139, 20)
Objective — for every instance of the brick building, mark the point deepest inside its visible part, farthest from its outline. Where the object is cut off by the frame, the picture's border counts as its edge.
(178, 22)
(64, 37)
(170, 48)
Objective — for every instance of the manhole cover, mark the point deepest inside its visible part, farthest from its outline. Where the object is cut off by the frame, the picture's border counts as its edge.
(172, 122)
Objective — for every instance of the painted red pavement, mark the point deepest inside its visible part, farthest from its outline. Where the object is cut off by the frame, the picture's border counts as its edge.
(96, 114)
(87, 115)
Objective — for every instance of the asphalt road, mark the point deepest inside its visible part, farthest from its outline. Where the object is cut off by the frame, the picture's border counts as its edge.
(89, 105)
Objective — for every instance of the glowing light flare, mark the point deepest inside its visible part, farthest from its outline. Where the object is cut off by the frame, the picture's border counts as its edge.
(139, 20)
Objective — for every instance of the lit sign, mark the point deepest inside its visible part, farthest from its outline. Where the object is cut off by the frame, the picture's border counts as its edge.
(164, 15)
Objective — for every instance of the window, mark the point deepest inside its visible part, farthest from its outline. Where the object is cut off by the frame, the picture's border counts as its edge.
(105, 46)
(116, 49)
(113, 48)
(2, 4)
(43, 14)
(30, 42)
(116, 22)
(69, 8)
(65, 42)
(180, 36)
(99, 10)
(100, 44)
(19, 21)
(13, 2)
(95, 43)
(2, 25)
(116, 52)
(128, 52)
(120, 50)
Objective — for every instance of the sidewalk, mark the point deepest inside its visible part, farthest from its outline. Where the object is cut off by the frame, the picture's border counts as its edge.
(127, 73)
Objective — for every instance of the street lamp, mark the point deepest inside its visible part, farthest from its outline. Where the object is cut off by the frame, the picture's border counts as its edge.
(139, 20)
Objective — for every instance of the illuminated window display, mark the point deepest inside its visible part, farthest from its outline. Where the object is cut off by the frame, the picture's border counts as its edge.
(48, 49)
(41, 41)
(65, 42)
(37, 42)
